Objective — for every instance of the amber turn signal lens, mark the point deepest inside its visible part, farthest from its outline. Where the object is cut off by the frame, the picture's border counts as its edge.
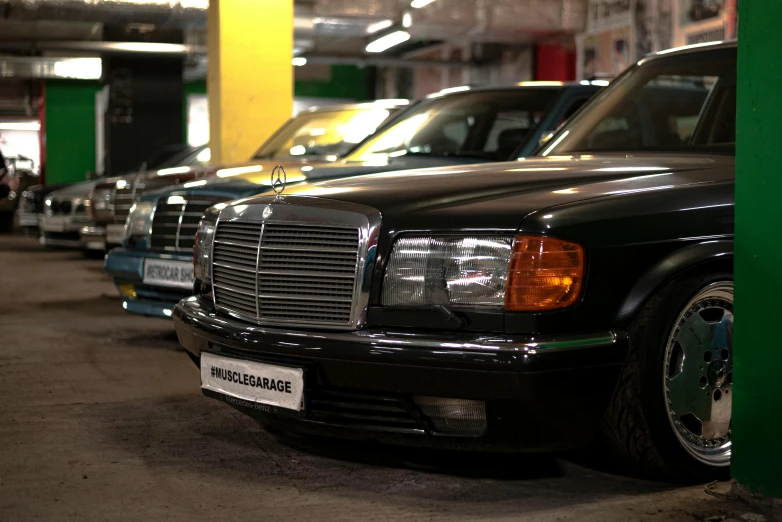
(545, 274)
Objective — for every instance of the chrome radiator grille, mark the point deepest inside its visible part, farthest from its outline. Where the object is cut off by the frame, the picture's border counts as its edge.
(123, 200)
(287, 272)
(176, 219)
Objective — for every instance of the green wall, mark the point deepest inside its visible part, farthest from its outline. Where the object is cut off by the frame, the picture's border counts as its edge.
(70, 116)
(347, 81)
(194, 87)
(757, 402)
(70, 130)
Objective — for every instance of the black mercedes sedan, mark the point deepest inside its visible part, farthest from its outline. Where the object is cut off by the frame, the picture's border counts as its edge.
(533, 305)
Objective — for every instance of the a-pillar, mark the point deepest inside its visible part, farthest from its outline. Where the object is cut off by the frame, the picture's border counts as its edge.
(250, 77)
(757, 404)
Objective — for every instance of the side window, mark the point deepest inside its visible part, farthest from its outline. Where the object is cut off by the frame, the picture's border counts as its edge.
(457, 131)
(446, 135)
(510, 129)
(662, 114)
(718, 125)
(683, 126)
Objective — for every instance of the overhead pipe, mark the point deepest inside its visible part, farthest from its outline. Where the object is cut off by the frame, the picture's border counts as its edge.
(165, 13)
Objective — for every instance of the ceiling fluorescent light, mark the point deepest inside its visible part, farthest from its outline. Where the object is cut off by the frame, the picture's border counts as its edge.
(379, 26)
(388, 41)
(20, 125)
(148, 47)
(418, 4)
(79, 68)
(299, 61)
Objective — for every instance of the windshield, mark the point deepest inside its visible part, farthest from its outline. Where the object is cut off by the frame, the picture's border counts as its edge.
(678, 103)
(324, 133)
(187, 158)
(481, 124)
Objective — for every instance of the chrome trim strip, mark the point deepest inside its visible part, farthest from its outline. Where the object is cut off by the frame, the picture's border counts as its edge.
(257, 278)
(232, 289)
(211, 261)
(179, 224)
(232, 267)
(193, 314)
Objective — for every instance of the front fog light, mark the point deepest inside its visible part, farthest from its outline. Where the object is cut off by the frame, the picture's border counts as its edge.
(128, 291)
(458, 271)
(454, 416)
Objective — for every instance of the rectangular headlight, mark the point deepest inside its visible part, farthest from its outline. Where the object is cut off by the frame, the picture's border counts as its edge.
(452, 271)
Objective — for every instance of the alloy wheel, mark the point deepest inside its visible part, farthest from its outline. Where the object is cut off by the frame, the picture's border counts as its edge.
(698, 375)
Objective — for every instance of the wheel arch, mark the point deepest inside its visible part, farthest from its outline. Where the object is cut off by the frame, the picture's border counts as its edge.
(703, 257)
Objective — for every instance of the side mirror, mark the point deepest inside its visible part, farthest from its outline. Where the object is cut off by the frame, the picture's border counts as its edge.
(545, 138)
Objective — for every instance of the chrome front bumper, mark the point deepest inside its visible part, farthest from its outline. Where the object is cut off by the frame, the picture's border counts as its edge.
(93, 238)
(27, 219)
(62, 224)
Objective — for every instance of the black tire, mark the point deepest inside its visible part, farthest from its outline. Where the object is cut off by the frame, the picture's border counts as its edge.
(636, 430)
(94, 254)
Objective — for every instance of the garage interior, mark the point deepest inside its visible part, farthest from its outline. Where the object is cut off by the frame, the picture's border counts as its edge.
(101, 411)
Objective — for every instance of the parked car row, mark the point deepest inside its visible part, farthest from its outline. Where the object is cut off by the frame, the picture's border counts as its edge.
(527, 268)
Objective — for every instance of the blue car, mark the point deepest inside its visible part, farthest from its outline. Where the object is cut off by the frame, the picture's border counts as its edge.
(153, 269)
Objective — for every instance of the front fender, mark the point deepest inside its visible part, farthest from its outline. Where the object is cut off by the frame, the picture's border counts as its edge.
(692, 257)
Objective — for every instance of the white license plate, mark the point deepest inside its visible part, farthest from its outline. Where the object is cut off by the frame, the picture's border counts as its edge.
(253, 381)
(115, 234)
(176, 274)
(53, 223)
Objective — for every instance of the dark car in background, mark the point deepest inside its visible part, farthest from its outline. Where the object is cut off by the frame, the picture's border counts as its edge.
(113, 195)
(31, 205)
(23, 168)
(319, 134)
(65, 212)
(461, 126)
(531, 305)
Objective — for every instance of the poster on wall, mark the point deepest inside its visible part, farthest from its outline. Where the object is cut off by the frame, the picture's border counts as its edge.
(607, 46)
(700, 21)
(606, 53)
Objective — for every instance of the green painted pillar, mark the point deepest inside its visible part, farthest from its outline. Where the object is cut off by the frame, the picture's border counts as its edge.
(70, 130)
(757, 403)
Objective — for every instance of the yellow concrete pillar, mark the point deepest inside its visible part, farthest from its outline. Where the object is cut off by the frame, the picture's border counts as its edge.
(250, 79)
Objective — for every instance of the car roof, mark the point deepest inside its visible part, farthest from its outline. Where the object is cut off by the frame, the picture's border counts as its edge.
(528, 85)
(382, 103)
(689, 49)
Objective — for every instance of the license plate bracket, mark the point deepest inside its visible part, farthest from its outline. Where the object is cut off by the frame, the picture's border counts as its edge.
(115, 234)
(172, 274)
(253, 381)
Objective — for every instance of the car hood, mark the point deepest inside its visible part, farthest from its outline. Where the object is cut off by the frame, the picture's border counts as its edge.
(79, 190)
(254, 178)
(500, 195)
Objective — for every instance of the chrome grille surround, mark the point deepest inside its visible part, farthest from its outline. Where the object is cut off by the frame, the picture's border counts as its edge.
(308, 264)
(175, 221)
(122, 199)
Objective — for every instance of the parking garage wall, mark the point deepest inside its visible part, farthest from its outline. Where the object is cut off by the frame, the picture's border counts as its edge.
(70, 130)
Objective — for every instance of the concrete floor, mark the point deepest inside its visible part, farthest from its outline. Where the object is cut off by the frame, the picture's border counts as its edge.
(101, 418)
